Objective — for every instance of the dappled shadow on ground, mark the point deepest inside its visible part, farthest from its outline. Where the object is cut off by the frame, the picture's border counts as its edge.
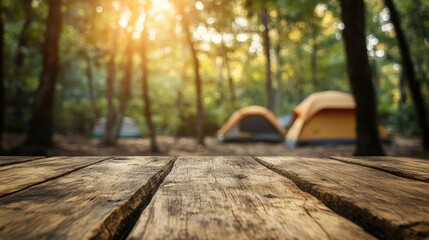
(83, 146)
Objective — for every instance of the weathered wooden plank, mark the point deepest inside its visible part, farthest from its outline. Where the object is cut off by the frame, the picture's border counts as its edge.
(100, 201)
(9, 160)
(385, 205)
(236, 198)
(417, 169)
(16, 177)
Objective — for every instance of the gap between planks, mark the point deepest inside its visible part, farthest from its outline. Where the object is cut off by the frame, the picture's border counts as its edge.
(385, 205)
(85, 204)
(236, 198)
(146, 201)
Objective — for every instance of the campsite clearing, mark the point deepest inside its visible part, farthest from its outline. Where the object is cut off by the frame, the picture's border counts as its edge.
(186, 146)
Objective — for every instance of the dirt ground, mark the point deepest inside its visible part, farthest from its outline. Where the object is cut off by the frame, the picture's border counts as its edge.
(84, 146)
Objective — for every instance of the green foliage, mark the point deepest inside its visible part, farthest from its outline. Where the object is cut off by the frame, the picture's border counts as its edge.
(226, 33)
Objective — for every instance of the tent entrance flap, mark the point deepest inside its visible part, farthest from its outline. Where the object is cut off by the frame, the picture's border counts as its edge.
(257, 124)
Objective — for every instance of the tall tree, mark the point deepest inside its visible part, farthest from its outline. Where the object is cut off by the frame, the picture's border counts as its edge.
(410, 75)
(278, 76)
(125, 87)
(40, 131)
(282, 27)
(110, 134)
(2, 90)
(359, 72)
(222, 12)
(300, 77)
(231, 86)
(145, 87)
(90, 78)
(198, 83)
(23, 40)
(16, 97)
(313, 59)
(112, 118)
(126, 80)
(267, 49)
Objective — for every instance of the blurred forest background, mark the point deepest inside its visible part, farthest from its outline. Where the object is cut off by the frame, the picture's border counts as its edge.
(170, 64)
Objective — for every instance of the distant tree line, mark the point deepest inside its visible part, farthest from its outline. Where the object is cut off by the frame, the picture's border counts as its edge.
(195, 62)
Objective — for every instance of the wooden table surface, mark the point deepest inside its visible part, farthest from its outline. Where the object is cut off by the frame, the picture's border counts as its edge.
(214, 198)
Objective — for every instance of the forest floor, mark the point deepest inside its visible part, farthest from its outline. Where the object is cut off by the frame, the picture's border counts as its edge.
(84, 146)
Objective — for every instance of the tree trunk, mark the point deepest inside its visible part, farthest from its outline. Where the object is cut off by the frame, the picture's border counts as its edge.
(198, 84)
(419, 28)
(125, 89)
(180, 103)
(314, 49)
(359, 72)
(267, 46)
(375, 76)
(23, 37)
(2, 91)
(109, 133)
(17, 99)
(279, 88)
(41, 126)
(402, 97)
(90, 78)
(146, 98)
(299, 75)
(220, 65)
(407, 64)
(402, 90)
(229, 76)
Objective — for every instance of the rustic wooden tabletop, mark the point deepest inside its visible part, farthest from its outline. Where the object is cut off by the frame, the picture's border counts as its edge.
(214, 198)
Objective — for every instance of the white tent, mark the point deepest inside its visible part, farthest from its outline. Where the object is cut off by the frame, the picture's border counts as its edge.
(129, 129)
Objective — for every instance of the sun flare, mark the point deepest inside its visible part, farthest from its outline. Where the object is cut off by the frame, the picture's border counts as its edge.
(158, 12)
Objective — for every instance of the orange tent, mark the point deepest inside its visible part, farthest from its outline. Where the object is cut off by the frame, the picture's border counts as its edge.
(252, 123)
(325, 118)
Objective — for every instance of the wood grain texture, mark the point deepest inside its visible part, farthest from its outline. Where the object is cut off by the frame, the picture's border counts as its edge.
(9, 160)
(385, 205)
(17, 177)
(236, 198)
(100, 201)
(417, 169)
